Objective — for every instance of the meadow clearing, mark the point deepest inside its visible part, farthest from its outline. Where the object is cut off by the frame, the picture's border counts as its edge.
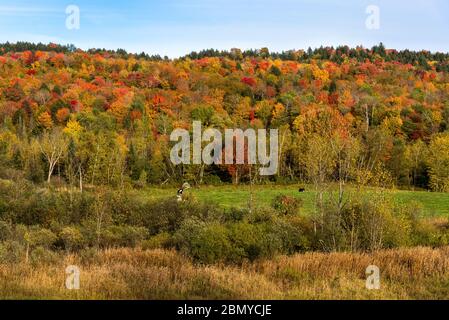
(435, 204)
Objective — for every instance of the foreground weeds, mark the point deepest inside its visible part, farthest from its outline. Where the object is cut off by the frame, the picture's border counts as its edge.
(417, 273)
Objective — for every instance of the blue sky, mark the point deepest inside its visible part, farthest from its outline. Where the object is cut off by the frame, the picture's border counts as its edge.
(176, 27)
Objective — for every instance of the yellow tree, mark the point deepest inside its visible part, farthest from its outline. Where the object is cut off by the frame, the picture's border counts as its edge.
(53, 146)
(438, 162)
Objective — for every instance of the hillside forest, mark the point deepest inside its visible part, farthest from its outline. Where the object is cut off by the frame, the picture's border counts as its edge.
(103, 118)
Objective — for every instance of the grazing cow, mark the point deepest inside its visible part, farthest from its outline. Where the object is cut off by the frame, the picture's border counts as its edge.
(180, 191)
(302, 190)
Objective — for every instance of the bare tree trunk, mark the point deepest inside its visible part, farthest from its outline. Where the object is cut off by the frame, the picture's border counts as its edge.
(99, 212)
(201, 173)
(95, 164)
(367, 117)
(250, 191)
(50, 171)
(81, 177)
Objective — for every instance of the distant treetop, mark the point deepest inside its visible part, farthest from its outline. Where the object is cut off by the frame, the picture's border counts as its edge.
(337, 55)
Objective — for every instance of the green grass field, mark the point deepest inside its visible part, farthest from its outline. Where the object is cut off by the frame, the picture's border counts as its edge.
(434, 203)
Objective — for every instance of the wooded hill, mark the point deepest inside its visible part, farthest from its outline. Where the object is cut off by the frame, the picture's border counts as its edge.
(104, 117)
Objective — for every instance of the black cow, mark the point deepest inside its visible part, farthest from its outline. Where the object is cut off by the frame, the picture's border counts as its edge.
(302, 190)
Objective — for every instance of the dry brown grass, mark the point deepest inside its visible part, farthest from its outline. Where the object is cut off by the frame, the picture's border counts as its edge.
(416, 273)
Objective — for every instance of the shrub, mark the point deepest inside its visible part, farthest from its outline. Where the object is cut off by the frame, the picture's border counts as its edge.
(78, 205)
(167, 215)
(204, 242)
(254, 241)
(287, 205)
(235, 242)
(212, 179)
(162, 216)
(11, 251)
(142, 181)
(263, 214)
(369, 222)
(161, 240)
(41, 255)
(211, 244)
(119, 206)
(40, 208)
(32, 206)
(430, 232)
(235, 214)
(36, 236)
(72, 238)
(296, 233)
(123, 236)
(246, 240)
(5, 231)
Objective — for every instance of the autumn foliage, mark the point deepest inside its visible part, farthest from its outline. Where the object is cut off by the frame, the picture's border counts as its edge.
(388, 100)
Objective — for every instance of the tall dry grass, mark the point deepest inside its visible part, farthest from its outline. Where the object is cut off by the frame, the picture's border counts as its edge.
(416, 273)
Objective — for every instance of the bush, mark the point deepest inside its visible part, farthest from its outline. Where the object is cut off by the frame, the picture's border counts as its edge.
(246, 240)
(162, 216)
(212, 179)
(40, 208)
(369, 222)
(11, 252)
(6, 231)
(31, 206)
(161, 240)
(296, 233)
(211, 244)
(167, 215)
(123, 236)
(254, 241)
(36, 236)
(431, 232)
(262, 215)
(41, 255)
(235, 242)
(287, 205)
(119, 206)
(77, 207)
(236, 214)
(204, 242)
(72, 238)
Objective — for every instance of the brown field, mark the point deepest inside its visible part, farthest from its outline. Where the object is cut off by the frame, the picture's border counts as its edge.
(415, 273)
